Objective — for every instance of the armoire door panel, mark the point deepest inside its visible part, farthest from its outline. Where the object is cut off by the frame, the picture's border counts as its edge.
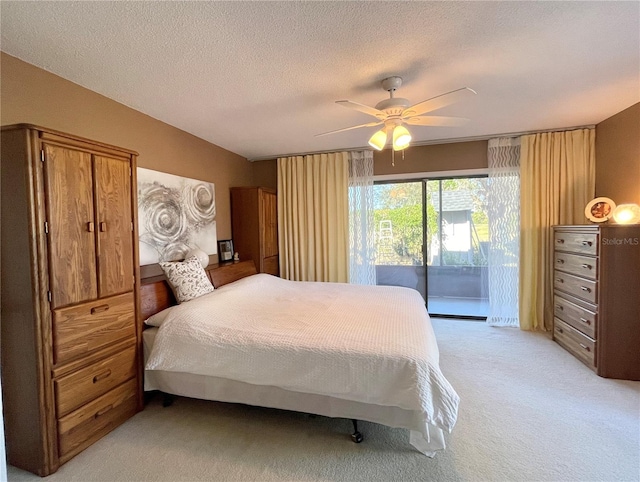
(70, 219)
(270, 219)
(114, 221)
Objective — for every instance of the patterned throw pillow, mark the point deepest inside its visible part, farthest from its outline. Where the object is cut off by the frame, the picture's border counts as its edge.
(187, 279)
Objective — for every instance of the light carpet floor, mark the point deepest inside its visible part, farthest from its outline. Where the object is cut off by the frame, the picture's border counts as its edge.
(529, 411)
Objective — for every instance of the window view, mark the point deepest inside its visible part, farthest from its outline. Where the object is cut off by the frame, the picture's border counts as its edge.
(398, 218)
(448, 217)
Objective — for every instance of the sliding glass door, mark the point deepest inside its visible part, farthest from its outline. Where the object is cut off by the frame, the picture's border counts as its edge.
(432, 235)
(457, 248)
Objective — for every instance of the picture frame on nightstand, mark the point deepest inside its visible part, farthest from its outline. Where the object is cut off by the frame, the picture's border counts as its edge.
(225, 250)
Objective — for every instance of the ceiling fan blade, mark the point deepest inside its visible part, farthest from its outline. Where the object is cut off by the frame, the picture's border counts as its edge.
(433, 120)
(362, 108)
(370, 124)
(438, 102)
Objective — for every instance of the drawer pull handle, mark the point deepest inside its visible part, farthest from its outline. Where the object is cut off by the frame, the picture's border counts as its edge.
(560, 241)
(559, 280)
(560, 330)
(560, 261)
(90, 227)
(560, 307)
(584, 288)
(587, 243)
(585, 347)
(584, 320)
(101, 412)
(586, 266)
(98, 309)
(102, 376)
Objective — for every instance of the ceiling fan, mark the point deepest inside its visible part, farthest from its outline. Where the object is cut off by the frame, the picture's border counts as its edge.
(394, 112)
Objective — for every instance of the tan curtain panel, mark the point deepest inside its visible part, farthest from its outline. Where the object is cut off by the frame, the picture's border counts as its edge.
(313, 217)
(557, 180)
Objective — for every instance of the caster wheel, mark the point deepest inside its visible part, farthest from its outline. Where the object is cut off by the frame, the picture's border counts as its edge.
(357, 437)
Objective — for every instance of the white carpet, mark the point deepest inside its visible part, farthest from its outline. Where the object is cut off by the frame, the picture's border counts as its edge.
(529, 411)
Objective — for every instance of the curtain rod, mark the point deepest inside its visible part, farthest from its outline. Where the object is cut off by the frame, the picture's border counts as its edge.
(432, 142)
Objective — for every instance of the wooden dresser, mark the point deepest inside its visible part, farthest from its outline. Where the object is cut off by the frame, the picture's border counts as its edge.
(597, 297)
(70, 341)
(254, 222)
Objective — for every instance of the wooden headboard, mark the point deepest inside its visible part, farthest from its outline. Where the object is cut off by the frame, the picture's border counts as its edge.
(156, 294)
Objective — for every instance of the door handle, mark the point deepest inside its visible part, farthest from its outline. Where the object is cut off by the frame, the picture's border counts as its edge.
(103, 227)
(90, 227)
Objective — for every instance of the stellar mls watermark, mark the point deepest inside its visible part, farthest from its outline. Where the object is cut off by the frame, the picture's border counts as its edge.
(621, 241)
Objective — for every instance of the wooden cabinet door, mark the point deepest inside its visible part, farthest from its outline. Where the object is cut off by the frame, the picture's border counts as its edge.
(114, 225)
(270, 224)
(70, 219)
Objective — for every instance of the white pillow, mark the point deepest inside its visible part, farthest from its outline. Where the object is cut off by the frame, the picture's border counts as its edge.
(159, 317)
(187, 279)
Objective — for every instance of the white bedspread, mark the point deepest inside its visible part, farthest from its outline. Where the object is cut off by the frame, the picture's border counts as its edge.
(367, 344)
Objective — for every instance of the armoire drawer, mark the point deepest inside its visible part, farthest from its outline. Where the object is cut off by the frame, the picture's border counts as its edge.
(576, 316)
(582, 288)
(580, 345)
(580, 243)
(81, 428)
(76, 389)
(576, 264)
(82, 329)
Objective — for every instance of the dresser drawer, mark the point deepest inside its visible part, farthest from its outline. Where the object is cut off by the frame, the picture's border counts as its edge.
(78, 388)
(576, 316)
(580, 345)
(581, 243)
(582, 288)
(86, 328)
(92, 421)
(576, 264)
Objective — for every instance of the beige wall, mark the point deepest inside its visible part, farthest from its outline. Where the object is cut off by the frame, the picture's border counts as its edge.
(618, 156)
(33, 96)
(434, 158)
(437, 157)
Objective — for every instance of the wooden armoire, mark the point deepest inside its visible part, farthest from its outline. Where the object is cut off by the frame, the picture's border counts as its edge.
(70, 341)
(254, 224)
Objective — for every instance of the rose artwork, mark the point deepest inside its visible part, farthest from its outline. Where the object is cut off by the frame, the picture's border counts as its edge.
(175, 216)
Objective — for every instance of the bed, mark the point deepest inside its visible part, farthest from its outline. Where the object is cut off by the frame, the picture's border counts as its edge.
(337, 350)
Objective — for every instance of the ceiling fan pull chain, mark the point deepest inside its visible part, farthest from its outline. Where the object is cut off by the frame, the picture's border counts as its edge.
(393, 160)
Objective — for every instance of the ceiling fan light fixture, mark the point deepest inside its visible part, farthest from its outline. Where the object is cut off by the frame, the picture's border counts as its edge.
(401, 138)
(378, 140)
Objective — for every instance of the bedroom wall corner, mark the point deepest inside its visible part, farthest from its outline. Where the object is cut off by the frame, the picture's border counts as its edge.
(32, 95)
(265, 173)
(618, 156)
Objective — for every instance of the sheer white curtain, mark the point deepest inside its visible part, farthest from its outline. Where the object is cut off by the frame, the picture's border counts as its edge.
(504, 228)
(362, 269)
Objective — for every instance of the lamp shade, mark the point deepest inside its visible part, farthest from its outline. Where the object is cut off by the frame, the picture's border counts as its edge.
(201, 255)
(401, 138)
(378, 140)
(627, 214)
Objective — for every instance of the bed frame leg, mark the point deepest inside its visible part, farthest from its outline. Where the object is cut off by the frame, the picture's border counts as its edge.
(167, 399)
(356, 436)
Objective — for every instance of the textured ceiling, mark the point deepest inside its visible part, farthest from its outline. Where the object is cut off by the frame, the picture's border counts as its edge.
(260, 78)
